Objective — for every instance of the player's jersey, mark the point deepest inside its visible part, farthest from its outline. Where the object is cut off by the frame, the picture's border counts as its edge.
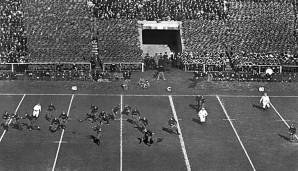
(37, 107)
(172, 122)
(135, 112)
(63, 116)
(202, 115)
(265, 99)
(51, 107)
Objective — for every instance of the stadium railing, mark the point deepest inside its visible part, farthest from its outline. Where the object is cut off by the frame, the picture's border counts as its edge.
(123, 66)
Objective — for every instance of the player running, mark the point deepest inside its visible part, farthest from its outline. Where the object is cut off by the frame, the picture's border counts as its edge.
(6, 120)
(63, 119)
(55, 125)
(203, 115)
(36, 110)
(98, 130)
(292, 132)
(104, 117)
(50, 112)
(265, 100)
(200, 102)
(173, 124)
(135, 113)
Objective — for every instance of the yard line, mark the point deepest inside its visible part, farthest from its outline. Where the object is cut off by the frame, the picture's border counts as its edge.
(180, 135)
(4, 132)
(61, 137)
(282, 118)
(121, 150)
(236, 133)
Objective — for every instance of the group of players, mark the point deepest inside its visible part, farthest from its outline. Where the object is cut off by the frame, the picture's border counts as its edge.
(97, 118)
(29, 120)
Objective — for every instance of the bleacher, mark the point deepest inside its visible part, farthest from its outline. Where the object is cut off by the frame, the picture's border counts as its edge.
(58, 31)
(118, 40)
(255, 33)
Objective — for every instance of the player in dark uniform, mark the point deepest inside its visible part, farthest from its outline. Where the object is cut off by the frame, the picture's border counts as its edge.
(50, 112)
(115, 111)
(63, 118)
(173, 124)
(135, 113)
(147, 138)
(200, 102)
(104, 117)
(98, 131)
(144, 121)
(55, 124)
(31, 122)
(93, 109)
(6, 120)
(15, 121)
(292, 132)
(126, 110)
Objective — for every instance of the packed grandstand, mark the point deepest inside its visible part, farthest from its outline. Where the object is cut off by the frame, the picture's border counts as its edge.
(78, 39)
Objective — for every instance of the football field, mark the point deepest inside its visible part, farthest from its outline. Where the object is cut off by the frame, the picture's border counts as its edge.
(238, 134)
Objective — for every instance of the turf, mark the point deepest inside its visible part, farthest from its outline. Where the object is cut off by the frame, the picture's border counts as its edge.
(210, 146)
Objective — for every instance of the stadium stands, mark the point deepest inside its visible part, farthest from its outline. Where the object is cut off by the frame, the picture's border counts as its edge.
(13, 42)
(58, 31)
(118, 40)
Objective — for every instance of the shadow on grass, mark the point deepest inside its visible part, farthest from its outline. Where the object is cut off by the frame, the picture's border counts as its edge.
(196, 121)
(284, 137)
(131, 121)
(258, 107)
(94, 139)
(168, 130)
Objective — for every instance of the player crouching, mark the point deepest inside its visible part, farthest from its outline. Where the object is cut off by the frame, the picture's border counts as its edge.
(173, 124)
(292, 132)
(203, 115)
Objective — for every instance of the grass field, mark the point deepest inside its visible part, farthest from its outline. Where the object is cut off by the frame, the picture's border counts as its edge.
(237, 136)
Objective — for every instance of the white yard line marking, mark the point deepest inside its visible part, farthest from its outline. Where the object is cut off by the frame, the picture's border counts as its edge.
(229, 119)
(4, 132)
(284, 121)
(121, 124)
(61, 137)
(180, 135)
(236, 133)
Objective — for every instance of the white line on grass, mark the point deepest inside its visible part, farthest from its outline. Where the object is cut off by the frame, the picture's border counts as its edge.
(236, 133)
(4, 132)
(121, 124)
(282, 118)
(180, 135)
(61, 137)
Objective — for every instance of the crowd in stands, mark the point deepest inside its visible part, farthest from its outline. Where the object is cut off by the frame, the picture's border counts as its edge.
(58, 31)
(13, 42)
(118, 41)
(158, 9)
(257, 33)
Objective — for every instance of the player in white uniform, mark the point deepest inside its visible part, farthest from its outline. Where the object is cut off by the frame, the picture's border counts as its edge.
(36, 110)
(265, 100)
(203, 115)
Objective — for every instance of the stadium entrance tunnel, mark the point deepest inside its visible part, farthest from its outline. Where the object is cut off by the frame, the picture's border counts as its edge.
(170, 38)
